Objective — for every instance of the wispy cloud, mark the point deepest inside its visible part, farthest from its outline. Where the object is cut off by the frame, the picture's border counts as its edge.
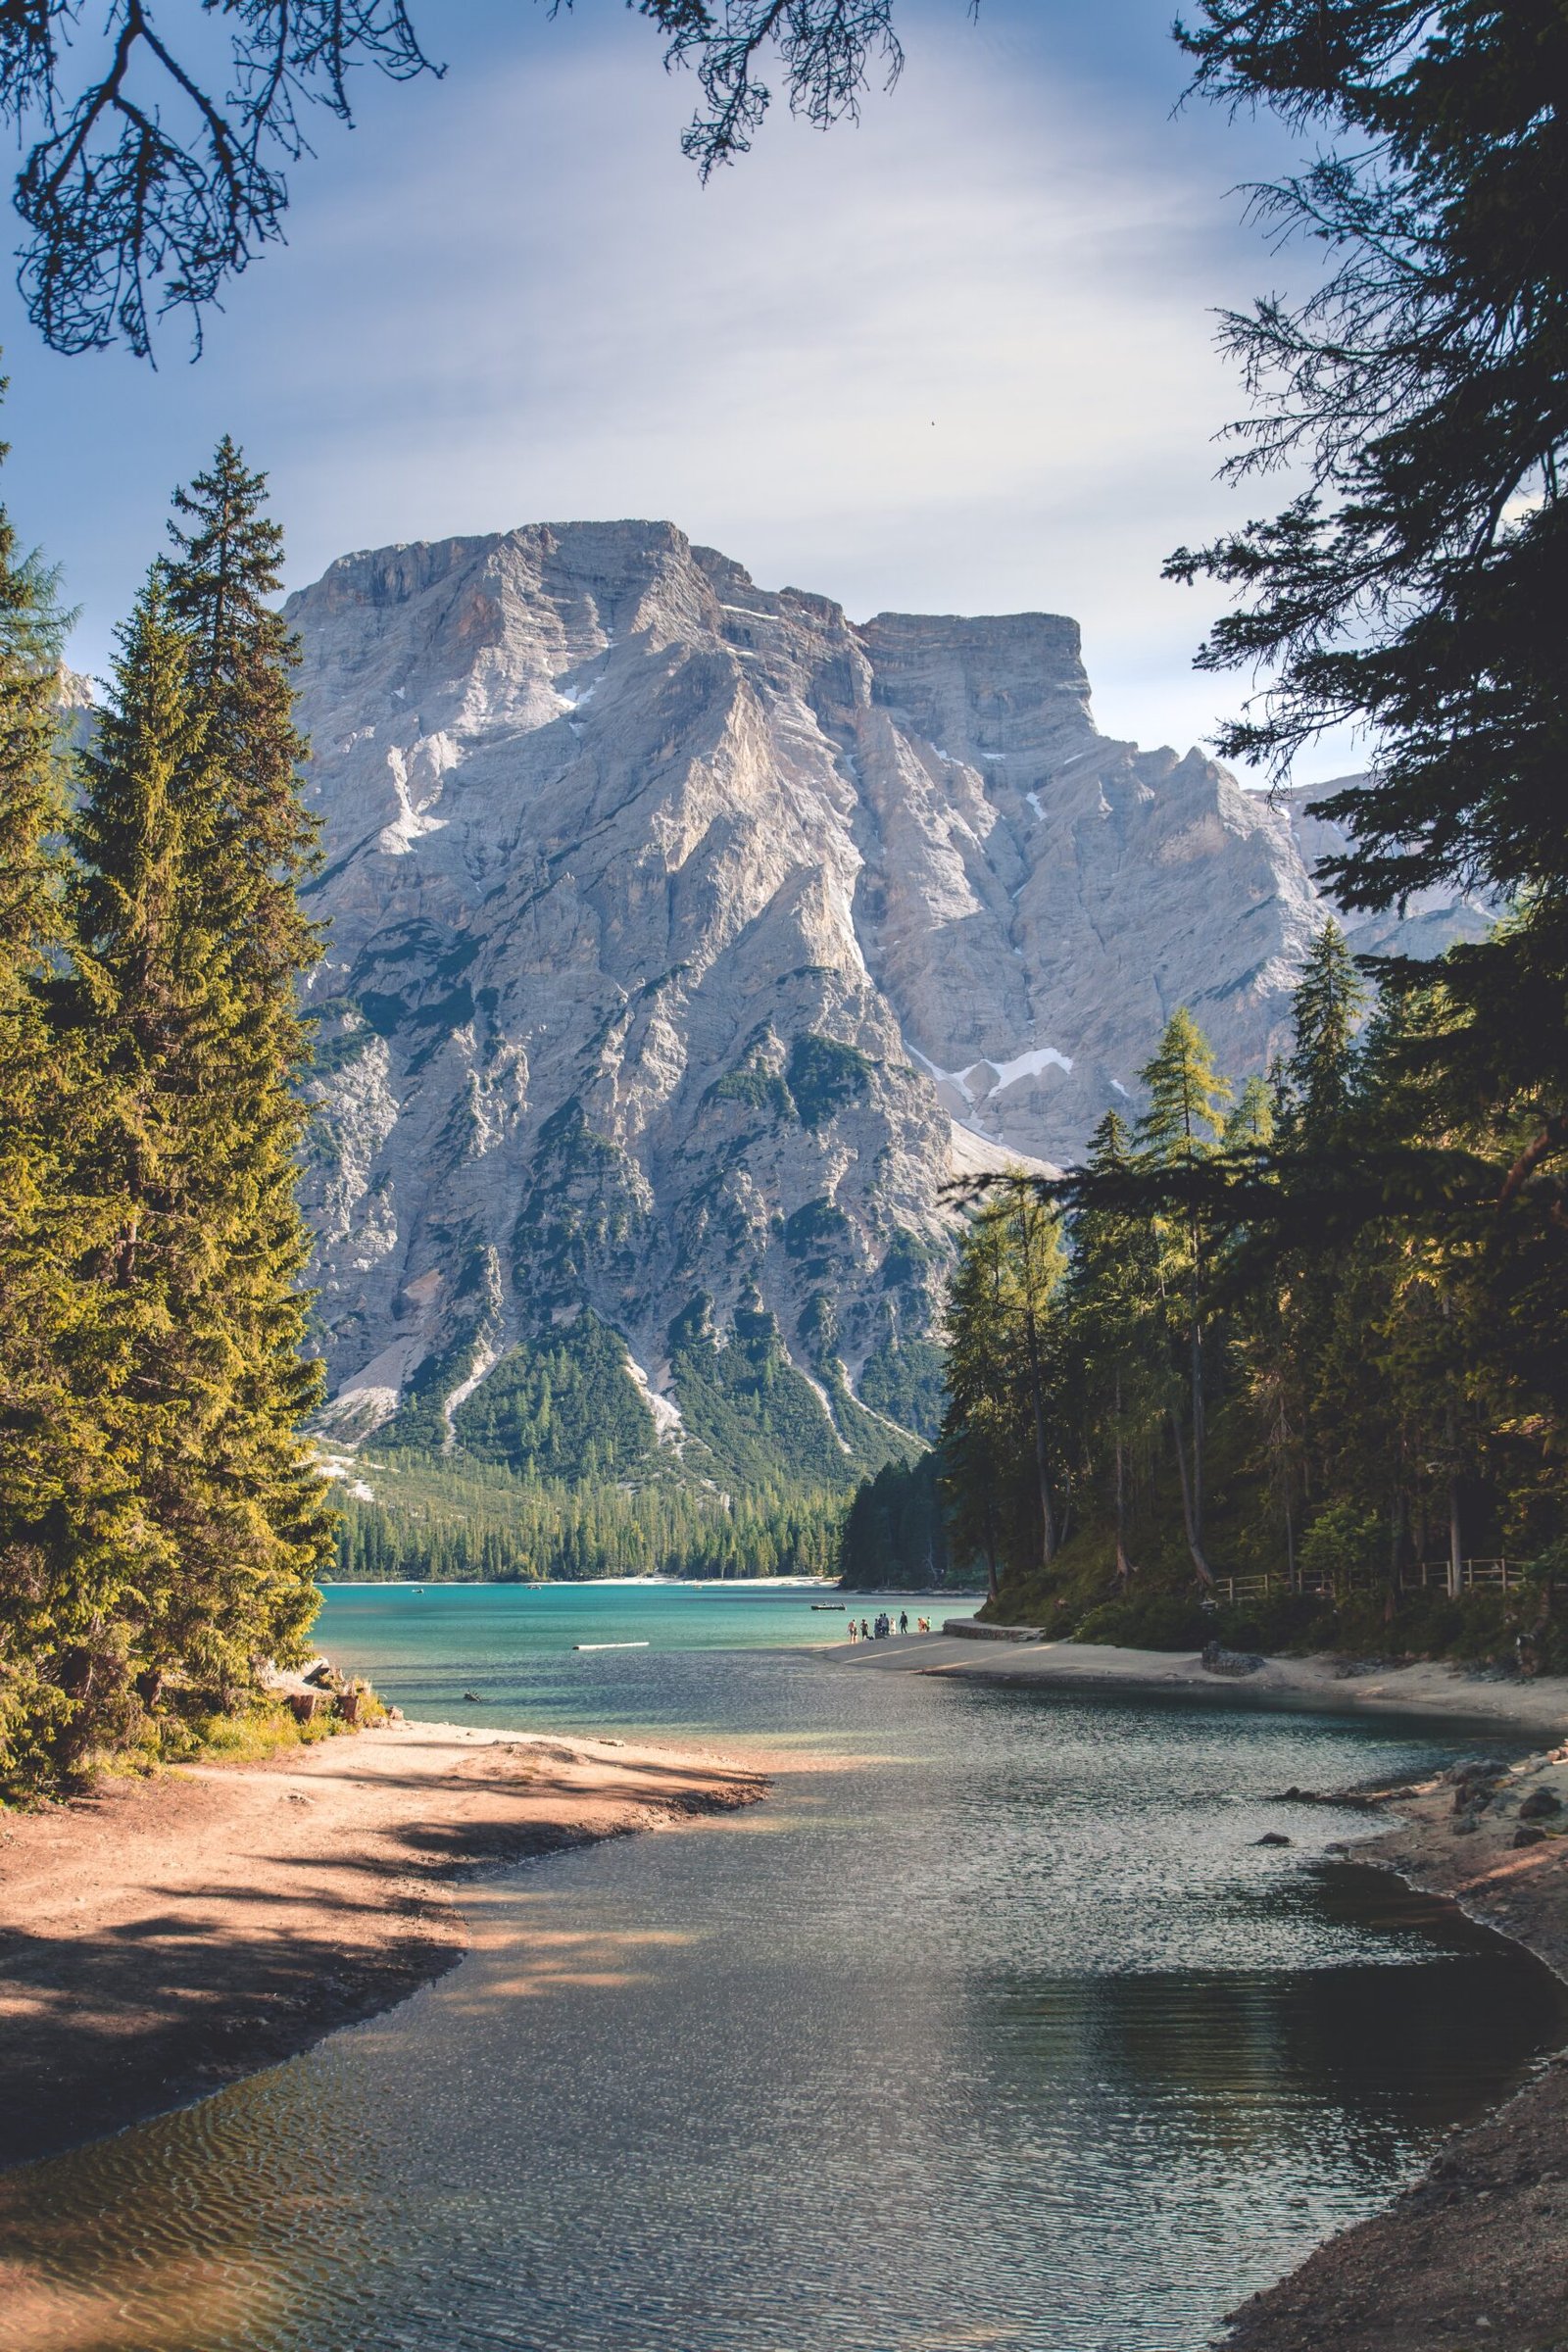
(960, 357)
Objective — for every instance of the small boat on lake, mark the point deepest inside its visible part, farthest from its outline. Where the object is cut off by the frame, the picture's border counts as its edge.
(610, 1646)
(828, 1607)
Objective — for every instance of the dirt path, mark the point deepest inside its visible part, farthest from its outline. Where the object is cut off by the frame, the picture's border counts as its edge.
(159, 1937)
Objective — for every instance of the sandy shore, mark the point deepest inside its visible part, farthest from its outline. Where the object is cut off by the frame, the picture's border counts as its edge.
(1326, 1685)
(159, 1937)
(1477, 2252)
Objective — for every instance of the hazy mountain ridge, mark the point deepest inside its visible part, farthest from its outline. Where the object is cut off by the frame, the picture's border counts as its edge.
(671, 921)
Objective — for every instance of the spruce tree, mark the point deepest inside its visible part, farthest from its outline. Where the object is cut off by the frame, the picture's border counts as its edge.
(1182, 1127)
(149, 988)
(1037, 1262)
(1113, 1308)
(195, 1160)
(62, 1495)
(224, 569)
(1326, 1011)
(980, 1432)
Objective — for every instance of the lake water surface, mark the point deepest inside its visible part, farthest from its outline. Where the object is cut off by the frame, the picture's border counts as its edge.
(994, 2027)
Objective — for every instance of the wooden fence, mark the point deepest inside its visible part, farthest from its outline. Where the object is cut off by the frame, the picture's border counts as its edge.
(1475, 1576)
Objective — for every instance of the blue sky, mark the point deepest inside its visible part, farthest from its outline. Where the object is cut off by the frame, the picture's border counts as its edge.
(960, 358)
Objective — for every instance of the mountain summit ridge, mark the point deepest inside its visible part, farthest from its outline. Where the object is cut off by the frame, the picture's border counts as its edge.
(674, 919)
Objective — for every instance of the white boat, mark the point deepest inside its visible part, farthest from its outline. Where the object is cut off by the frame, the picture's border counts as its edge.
(610, 1646)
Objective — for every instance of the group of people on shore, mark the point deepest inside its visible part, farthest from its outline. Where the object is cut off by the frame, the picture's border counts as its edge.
(880, 1627)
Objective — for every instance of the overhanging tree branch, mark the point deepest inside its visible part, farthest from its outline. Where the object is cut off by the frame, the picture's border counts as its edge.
(147, 186)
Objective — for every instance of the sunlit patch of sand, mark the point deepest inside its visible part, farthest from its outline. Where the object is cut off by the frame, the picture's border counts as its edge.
(548, 1960)
(178, 2305)
(497, 1934)
(537, 1982)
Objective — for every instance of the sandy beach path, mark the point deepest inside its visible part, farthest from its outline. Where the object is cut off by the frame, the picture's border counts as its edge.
(159, 1937)
(1538, 1707)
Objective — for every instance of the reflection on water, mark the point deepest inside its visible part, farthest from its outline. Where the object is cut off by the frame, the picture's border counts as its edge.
(1011, 2037)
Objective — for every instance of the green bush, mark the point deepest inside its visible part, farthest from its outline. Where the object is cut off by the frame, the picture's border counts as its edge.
(824, 1076)
(1344, 1542)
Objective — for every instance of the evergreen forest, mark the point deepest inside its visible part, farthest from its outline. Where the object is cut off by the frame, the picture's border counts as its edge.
(1272, 1369)
(1285, 1362)
(1282, 1363)
(163, 1522)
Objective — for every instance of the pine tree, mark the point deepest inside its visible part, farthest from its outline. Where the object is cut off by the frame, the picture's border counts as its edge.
(1113, 1308)
(1036, 1265)
(1182, 1126)
(62, 1495)
(1326, 1011)
(225, 567)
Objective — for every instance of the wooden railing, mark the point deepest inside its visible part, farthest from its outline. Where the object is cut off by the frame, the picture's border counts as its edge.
(1475, 1576)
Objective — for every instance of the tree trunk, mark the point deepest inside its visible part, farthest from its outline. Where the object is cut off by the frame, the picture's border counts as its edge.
(1048, 1522)
(1124, 1567)
(1455, 1527)
(1193, 1540)
(1196, 1531)
(1391, 1598)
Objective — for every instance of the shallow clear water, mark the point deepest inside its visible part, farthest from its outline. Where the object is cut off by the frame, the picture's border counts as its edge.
(514, 1648)
(999, 2030)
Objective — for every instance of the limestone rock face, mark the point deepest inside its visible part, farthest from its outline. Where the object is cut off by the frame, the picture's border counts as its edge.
(673, 923)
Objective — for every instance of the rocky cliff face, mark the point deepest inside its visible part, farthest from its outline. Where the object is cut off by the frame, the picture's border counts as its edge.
(675, 922)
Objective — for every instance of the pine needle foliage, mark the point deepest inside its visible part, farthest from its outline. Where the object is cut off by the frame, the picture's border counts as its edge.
(68, 1514)
(1328, 1306)
(161, 1522)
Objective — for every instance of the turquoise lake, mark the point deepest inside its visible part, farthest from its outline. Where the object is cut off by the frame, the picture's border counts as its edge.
(994, 2028)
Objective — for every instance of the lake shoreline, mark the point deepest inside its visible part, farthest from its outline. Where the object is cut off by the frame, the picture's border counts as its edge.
(161, 1938)
(1469, 1698)
(1480, 2241)
(1477, 2250)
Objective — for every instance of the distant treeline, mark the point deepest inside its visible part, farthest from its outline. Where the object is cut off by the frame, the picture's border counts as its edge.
(896, 1532)
(430, 1521)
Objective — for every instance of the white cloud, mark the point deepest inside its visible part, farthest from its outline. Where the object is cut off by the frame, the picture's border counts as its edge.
(958, 358)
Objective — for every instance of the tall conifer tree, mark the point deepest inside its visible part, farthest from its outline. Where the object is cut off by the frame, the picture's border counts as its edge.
(1182, 1126)
(221, 574)
(223, 570)
(63, 1498)
(1114, 1311)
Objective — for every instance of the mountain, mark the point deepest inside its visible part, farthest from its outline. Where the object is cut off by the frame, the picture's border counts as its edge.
(1430, 921)
(674, 925)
